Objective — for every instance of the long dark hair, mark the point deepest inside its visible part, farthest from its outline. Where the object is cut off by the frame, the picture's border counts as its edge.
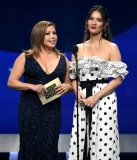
(106, 32)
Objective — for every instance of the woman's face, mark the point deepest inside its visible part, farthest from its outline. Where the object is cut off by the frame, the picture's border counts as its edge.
(50, 38)
(95, 23)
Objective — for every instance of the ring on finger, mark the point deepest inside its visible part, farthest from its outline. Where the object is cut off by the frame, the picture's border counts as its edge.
(42, 88)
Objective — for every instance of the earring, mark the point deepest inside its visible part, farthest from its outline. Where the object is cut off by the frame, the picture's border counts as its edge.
(105, 32)
(85, 29)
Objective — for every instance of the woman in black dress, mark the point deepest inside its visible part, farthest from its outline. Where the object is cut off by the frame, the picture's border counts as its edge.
(39, 125)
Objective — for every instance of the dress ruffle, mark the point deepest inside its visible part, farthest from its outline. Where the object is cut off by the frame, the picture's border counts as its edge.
(105, 68)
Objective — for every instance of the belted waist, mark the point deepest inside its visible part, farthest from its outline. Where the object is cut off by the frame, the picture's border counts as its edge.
(89, 84)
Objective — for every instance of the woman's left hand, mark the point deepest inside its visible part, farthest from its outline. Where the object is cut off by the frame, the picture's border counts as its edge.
(63, 88)
(90, 101)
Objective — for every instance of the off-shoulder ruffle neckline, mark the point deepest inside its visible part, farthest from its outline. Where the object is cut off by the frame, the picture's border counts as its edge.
(106, 68)
(92, 57)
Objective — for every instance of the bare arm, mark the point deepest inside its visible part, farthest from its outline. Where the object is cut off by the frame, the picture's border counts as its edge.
(74, 86)
(67, 78)
(17, 72)
(65, 87)
(112, 85)
(74, 81)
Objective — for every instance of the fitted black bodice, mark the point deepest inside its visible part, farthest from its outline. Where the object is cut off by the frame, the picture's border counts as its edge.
(39, 124)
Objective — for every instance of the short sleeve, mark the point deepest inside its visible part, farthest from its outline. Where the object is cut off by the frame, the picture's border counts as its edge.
(72, 70)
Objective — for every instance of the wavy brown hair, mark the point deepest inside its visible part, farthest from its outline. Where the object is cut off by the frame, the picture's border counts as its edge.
(37, 38)
(106, 34)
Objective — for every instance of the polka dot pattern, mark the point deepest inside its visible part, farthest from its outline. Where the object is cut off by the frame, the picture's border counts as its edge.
(104, 138)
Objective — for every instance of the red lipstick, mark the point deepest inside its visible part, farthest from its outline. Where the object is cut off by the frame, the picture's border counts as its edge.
(93, 27)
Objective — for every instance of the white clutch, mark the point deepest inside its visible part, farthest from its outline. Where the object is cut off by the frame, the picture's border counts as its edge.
(51, 94)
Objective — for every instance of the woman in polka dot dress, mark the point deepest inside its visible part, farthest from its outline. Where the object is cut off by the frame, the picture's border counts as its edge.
(98, 60)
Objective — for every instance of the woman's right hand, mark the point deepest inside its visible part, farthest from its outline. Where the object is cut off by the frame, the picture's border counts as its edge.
(39, 88)
(80, 96)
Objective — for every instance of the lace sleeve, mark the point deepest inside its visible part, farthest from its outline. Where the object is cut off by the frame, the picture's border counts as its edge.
(72, 70)
(113, 69)
(105, 69)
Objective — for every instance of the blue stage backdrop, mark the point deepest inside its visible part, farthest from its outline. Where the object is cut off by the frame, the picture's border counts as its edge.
(17, 20)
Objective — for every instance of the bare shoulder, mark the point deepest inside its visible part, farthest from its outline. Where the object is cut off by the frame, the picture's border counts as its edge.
(18, 67)
(66, 59)
(22, 55)
(79, 51)
(114, 52)
(21, 58)
(113, 46)
(80, 45)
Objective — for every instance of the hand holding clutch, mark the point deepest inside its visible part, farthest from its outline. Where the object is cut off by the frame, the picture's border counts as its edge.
(51, 93)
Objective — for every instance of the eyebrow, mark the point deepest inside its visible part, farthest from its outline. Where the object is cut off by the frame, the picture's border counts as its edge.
(50, 31)
(93, 17)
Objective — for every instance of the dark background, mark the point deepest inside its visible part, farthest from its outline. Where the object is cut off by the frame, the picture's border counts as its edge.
(17, 19)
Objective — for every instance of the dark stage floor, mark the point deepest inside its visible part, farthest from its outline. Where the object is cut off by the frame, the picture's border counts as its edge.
(62, 156)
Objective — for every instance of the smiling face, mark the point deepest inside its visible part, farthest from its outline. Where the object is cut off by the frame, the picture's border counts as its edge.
(50, 38)
(95, 23)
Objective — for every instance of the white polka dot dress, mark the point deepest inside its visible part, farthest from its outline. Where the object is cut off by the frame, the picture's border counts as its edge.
(103, 141)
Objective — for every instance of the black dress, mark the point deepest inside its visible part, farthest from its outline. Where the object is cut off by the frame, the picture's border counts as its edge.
(39, 125)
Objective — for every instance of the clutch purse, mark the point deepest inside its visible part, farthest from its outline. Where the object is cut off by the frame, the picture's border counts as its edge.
(51, 94)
